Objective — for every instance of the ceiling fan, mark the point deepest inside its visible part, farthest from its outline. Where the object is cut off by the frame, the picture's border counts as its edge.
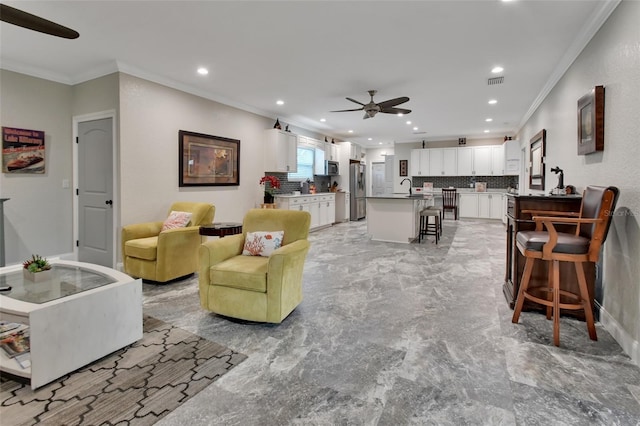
(372, 108)
(35, 23)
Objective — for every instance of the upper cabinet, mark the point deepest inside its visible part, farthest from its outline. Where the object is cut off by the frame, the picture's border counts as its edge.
(281, 151)
(443, 161)
(511, 157)
(480, 160)
(419, 162)
(331, 151)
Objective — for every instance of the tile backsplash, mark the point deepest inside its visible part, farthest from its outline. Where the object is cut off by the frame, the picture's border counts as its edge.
(286, 187)
(467, 181)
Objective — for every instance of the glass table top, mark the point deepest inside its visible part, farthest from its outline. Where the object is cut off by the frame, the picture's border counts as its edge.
(65, 281)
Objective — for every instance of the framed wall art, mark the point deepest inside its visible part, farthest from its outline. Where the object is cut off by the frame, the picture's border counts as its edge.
(207, 160)
(22, 151)
(404, 167)
(537, 147)
(591, 121)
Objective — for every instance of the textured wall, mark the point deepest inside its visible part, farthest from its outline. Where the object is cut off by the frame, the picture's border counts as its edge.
(611, 59)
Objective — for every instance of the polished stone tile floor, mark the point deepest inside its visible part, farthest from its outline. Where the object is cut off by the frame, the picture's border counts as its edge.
(393, 334)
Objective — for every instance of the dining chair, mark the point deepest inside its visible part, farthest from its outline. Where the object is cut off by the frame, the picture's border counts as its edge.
(450, 201)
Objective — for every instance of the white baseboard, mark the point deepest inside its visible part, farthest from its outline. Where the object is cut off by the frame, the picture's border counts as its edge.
(628, 344)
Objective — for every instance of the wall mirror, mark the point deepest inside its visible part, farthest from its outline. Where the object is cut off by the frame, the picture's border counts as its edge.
(536, 160)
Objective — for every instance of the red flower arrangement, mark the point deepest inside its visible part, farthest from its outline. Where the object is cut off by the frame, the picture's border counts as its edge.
(274, 183)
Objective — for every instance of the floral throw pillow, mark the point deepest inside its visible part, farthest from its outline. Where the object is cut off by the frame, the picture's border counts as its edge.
(176, 220)
(262, 243)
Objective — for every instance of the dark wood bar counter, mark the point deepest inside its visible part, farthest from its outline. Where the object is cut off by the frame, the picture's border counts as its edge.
(517, 221)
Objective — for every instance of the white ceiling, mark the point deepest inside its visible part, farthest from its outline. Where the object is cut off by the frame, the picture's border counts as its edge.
(314, 54)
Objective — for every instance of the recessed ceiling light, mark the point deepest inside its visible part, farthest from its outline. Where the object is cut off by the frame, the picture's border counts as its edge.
(496, 70)
(400, 114)
(493, 102)
(323, 119)
(203, 71)
(408, 122)
(369, 139)
(379, 143)
(280, 102)
(415, 128)
(488, 120)
(486, 131)
(350, 131)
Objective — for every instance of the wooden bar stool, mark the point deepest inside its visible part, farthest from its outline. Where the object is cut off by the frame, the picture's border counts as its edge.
(592, 226)
(428, 228)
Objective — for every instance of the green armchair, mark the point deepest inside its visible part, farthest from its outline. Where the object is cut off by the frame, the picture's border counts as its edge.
(256, 288)
(153, 255)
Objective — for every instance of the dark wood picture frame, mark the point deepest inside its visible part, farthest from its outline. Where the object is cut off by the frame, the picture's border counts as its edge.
(537, 152)
(404, 167)
(591, 121)
(206, 160)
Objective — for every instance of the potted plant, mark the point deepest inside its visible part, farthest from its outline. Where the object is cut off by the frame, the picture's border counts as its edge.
(271, 183)
(36, 269)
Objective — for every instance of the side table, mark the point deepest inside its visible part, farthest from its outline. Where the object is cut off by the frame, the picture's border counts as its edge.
(221, 229)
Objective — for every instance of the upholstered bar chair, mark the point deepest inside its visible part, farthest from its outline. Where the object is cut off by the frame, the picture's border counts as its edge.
(547, 244)
(162, 251)
(256, 275)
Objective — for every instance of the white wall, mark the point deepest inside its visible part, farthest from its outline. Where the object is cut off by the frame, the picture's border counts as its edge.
(38, 216)
(611, 59)
(151, 116)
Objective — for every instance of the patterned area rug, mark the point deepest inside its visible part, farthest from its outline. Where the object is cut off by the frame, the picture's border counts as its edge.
(136, 385)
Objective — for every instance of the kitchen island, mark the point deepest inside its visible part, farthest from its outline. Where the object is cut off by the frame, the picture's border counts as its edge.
(395, 218)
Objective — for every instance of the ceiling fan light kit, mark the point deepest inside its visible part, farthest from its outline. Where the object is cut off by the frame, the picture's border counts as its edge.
(372, 108)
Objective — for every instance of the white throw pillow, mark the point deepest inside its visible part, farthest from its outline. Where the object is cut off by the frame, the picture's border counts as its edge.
(262, 243)
(176, 220)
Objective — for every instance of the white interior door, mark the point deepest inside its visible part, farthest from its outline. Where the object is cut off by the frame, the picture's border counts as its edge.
(377, 178)
(95, 192)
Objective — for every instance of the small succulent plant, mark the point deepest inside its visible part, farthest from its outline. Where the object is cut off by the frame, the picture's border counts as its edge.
(37, 263)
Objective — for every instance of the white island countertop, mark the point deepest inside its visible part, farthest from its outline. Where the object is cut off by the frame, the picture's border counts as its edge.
(394, 217)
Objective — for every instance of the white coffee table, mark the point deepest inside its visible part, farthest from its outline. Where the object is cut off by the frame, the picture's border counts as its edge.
(81, 314)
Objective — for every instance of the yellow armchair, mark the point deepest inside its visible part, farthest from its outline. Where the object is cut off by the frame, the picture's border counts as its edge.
(163, 256)
(256, 288)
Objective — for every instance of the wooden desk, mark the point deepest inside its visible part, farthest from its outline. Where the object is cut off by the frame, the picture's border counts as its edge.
(519, 221)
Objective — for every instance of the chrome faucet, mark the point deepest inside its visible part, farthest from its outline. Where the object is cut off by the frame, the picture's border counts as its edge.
(410, 184)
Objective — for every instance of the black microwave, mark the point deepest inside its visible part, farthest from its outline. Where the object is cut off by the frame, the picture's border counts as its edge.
(331, 168)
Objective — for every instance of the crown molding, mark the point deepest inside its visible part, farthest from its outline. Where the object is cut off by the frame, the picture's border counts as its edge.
(590, 28)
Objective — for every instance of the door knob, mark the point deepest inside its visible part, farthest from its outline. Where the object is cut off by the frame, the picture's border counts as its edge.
(109, 202)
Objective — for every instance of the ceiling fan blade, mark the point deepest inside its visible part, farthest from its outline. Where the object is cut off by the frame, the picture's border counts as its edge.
(395, 111)
(345, 110)
(393, 102)
(26, 20)
(357, 102)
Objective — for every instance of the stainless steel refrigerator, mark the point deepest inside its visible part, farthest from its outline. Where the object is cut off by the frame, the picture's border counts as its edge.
(357, 188)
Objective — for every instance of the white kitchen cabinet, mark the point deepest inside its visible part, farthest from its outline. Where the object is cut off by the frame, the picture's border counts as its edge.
(419, 162)
(485, 205)
(497, 160)
(281, 151)
(465, 161)
(443, 161)
(320, 206)
(331, 151)
(468, 205)
(481, 160)
(511, 157)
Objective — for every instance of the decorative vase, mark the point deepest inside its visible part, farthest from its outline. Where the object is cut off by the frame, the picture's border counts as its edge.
(268, 198)
(37, 277)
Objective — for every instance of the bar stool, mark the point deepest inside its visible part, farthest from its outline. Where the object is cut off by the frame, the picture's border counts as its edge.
(440, 211)
(426, 227)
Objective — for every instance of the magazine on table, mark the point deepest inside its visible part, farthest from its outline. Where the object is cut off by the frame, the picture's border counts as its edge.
(8, 328)
(16, 344)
